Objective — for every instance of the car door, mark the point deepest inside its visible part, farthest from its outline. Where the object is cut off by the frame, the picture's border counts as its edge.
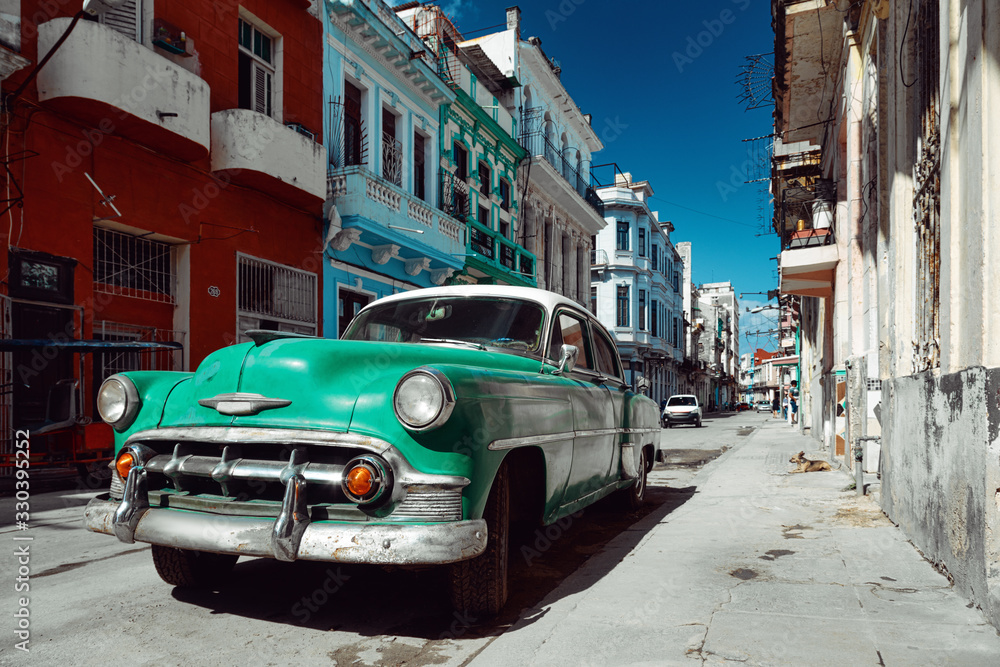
(595, 435)
(620, 393)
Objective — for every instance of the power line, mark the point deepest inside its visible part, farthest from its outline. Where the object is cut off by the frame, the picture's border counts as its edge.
(710, 215)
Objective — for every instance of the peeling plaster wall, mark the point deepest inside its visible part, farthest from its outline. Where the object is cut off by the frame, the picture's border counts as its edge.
(941, 474)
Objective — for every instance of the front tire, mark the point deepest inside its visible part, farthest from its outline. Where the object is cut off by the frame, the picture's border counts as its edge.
(191, 569)
(479, 585)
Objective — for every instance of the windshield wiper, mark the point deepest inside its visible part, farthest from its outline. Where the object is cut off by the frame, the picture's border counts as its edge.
(453, 341)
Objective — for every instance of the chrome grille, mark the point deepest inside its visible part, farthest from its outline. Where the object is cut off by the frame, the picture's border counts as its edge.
(430, 505)
(117, 486)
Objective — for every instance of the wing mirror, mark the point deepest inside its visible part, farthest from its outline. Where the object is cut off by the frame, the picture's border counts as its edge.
(568, 354)
(641, 385)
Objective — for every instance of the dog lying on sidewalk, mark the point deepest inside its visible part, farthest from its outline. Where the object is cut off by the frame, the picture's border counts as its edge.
(807, 465)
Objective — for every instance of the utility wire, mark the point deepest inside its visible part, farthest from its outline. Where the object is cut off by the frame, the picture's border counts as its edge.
(710, 215)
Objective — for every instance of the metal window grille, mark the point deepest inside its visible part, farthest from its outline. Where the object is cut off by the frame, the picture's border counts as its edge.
(927, 191)
(392, 159)
(273, 291)
(133, 266)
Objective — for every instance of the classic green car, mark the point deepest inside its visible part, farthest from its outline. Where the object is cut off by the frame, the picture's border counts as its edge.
(442, 415)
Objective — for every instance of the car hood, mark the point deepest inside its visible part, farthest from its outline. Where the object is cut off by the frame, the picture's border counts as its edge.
(320, 379)
(680, 409)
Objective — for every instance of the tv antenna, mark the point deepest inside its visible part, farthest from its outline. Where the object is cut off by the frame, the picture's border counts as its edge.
(105, 200)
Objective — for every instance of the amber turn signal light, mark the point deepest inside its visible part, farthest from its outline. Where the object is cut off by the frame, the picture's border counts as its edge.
(359, 481)
(124, 464)
(366, 479)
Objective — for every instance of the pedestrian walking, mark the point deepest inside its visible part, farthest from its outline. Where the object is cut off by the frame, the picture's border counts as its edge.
(784, 407)
(793, 401)
(775, 406)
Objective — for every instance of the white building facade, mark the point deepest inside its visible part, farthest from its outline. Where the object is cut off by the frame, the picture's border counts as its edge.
(636, 286)
(560, 210)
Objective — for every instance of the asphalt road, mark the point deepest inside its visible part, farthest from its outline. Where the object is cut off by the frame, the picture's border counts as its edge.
(93, 599)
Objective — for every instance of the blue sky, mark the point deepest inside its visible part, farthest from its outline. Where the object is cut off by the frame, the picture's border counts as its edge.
(665, 73)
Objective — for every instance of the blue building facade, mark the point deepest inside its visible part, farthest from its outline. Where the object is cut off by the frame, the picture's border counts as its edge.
(385, 230)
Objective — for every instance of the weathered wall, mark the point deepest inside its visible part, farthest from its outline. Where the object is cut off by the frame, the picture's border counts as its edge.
(941, 474)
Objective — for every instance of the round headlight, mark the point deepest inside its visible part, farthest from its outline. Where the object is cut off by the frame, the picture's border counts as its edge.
(424, 399)
(118, 401)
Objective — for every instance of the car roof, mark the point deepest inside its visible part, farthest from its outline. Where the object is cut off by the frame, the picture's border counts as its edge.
(550, 300)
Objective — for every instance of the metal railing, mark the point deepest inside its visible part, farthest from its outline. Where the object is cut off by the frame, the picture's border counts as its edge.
(274, 291)
(454, 195)
(537, 144)
(598, 257)
(493, 248)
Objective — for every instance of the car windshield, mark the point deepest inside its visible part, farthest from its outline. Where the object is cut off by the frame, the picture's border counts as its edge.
(489, 321)
(682, 400)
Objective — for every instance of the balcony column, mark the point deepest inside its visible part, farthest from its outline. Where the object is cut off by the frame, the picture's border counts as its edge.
(583, 270)
(556, 260)
(571, 273)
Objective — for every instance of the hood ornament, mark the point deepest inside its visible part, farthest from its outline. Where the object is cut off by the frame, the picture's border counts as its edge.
(242, 404)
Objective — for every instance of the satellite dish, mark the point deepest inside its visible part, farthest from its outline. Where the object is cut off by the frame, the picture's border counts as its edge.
(101, 7)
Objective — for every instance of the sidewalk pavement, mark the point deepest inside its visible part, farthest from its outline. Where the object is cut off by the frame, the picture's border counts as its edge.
(760, 567)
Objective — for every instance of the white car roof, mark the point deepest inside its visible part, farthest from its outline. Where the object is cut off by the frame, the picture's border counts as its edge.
(550, 300)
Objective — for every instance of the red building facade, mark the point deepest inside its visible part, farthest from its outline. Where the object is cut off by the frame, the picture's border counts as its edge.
(166, 176)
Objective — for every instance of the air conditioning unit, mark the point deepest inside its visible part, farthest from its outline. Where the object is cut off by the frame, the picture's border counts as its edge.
(303, 130)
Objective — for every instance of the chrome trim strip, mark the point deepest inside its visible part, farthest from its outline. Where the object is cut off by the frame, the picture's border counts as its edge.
(385, 544)
(599, 431)
(281, 436)
(511, 443)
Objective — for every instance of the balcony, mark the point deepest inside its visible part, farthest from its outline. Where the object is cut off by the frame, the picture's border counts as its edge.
(381, 214)
(493, 256)
(121, 87)
(257, 151)
(560, 179)
(809, 271)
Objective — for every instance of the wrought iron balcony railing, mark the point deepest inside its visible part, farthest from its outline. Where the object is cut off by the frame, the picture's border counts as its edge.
(454, 195)
(537, 144)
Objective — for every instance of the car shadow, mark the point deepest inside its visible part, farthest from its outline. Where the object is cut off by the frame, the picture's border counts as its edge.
(413, 602)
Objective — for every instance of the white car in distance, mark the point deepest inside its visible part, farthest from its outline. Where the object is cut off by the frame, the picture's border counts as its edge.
(681, 409)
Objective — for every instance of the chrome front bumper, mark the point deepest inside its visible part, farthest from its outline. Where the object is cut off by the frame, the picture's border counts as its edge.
(291, 539)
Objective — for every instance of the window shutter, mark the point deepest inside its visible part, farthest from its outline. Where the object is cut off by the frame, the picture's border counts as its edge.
(126, 19)
(261, 90)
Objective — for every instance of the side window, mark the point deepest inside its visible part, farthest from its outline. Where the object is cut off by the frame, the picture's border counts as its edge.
(569, 330)
(605, 352)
